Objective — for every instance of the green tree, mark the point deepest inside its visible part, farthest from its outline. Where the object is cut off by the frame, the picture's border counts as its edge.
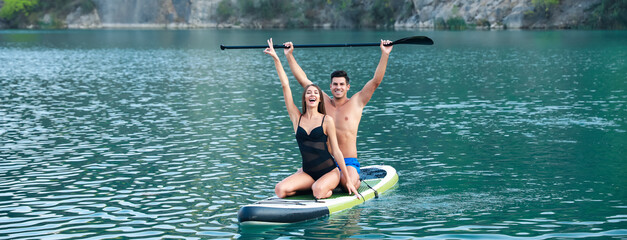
(271, 9)
(225, 10)
(456, 23)
(610, 14)
(385, 12)
(545, 5)
(12, 8)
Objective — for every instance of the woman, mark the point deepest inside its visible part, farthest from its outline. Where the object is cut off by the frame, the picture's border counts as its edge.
(314, 133)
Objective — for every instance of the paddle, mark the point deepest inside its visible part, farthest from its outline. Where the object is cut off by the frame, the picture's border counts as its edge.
(419, 40)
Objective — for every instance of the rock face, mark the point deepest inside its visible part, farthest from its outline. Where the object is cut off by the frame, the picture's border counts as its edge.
(513, 14)
(517, 16)
(202, 13)
(134, 13)
(569, 13)
(494, 14)
(78, 19)
(156, 13)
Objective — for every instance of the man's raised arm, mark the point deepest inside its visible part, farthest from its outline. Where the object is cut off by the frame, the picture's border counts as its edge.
(298, 72)
(366, 93)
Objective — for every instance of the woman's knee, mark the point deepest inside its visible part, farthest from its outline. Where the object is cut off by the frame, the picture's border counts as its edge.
(320, 194)
(321, 191)
(316, 188)
(281, 190)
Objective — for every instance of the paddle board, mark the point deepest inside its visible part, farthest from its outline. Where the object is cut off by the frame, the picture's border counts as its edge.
(380, 178)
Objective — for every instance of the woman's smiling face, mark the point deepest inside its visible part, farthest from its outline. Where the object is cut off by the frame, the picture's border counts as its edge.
(312, 96)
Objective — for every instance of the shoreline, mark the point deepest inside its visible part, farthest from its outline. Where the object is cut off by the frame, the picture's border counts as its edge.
(186, 26)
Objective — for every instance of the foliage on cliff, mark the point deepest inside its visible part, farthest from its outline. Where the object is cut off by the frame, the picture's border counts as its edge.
(287, 13)
(545, 5)
(12, 8)
(598, 14)
(23, 13)
(610, 14)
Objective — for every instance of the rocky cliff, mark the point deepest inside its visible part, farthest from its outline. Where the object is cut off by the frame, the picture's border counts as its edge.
(500, 13)
(146, 14)
(493, 14)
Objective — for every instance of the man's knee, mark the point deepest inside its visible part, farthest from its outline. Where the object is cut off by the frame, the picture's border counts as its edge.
(353, 172)
(354, 177)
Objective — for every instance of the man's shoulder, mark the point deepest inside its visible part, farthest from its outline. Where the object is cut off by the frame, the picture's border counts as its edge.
(356, 102)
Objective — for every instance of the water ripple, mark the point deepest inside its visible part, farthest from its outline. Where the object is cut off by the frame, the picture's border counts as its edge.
(101, 142)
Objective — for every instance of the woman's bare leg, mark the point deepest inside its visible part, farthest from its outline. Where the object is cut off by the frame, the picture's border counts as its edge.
(323, 187)
(298, 181)
(354, 176)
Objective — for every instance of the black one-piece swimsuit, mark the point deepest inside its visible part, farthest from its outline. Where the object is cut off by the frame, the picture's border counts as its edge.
(317, 160)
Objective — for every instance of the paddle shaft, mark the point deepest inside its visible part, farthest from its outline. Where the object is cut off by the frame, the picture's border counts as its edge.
(304, 45)
(419, 40)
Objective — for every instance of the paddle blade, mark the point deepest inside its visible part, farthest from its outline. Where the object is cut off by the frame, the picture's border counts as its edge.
(421, 40)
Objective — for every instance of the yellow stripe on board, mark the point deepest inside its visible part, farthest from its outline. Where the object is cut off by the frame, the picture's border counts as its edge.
(345, 205)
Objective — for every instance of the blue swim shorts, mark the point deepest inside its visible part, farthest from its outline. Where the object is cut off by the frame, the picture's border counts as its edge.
(353, 162)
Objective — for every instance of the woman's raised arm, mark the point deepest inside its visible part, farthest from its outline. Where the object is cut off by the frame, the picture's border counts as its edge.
(292, 110)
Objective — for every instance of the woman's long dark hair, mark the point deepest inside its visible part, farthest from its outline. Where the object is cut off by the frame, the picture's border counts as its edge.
(321, 108)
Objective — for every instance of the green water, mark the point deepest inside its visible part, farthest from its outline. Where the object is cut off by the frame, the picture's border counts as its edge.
(159, 134)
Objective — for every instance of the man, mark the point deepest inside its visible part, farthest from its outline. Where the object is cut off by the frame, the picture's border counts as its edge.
(345, 111)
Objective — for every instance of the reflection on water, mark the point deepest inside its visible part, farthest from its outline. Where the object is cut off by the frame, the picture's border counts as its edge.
(522, 137)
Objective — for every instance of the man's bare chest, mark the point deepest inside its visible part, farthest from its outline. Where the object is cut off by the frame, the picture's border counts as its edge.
(346, 118)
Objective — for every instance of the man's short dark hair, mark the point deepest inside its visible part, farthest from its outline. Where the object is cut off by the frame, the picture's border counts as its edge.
(340, 73)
